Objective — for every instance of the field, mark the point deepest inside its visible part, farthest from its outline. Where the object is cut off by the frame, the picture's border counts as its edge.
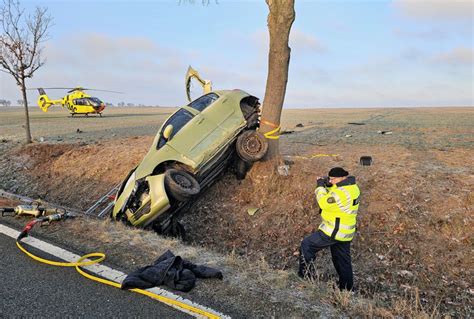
(413, 255)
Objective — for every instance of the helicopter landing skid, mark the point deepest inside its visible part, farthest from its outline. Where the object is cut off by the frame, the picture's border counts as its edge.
(85, 114)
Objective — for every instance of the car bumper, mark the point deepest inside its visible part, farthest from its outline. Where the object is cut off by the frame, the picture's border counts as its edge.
(155, 204)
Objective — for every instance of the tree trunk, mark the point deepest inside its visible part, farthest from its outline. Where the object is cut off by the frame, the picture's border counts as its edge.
(280, 19)
(27, 117)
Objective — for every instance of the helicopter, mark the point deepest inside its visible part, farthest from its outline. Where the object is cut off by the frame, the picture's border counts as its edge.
(76, 101)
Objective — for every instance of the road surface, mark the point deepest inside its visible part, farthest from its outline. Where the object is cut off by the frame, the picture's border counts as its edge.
(32, 289)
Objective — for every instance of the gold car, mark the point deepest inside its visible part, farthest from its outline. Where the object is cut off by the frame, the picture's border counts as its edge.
(193, 146)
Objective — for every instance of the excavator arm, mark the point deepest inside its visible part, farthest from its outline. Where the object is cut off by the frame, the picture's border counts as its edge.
(193, 74)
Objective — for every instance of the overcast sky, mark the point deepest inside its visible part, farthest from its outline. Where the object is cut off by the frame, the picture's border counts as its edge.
(343, 53)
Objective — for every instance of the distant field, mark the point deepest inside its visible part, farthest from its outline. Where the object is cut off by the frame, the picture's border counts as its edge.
(58, 124)
(411, 126)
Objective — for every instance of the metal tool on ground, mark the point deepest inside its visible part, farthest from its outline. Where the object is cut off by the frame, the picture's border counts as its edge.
(44, 220)
(34, 210)
(104, 205)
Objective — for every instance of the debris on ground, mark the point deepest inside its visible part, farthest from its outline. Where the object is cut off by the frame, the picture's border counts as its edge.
(283, 170)
(365, 160)
(252, 211)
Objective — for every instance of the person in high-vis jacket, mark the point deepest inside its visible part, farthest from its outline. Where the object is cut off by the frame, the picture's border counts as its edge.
(338, 199)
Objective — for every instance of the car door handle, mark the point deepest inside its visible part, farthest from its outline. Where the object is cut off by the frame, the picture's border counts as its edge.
(200, 120)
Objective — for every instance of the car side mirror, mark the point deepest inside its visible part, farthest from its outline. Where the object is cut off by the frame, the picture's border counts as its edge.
(168, 131)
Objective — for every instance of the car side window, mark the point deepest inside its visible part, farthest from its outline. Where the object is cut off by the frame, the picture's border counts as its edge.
(204, 101)
(178, 120)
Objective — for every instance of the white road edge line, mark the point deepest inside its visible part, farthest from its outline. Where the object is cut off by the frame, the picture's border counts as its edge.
(104, 271)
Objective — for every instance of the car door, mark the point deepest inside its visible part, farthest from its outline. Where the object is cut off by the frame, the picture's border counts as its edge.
(208, 124)
(194, 140)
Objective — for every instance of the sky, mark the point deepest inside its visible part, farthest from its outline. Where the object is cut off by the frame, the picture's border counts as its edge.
(378, 53)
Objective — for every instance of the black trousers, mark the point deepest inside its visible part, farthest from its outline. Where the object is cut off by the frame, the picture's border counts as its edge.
(340, 252)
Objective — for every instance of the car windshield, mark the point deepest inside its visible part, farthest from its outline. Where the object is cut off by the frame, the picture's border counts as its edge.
(204, 101)
(178, 120)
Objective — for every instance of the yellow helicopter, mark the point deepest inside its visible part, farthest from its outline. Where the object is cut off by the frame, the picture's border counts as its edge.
(76, 101)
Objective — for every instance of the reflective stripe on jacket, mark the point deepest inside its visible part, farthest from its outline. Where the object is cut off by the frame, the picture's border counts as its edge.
(339, 204)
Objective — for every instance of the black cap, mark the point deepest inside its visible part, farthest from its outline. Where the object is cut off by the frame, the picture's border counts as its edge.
(338, 172)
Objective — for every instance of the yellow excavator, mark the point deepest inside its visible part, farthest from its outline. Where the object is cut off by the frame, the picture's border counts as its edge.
(193, 74)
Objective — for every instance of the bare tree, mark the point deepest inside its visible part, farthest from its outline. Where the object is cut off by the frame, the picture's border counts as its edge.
(280, 19)
(20, 45)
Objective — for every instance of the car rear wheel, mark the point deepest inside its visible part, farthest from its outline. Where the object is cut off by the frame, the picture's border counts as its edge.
(251, 146)
(181, 185)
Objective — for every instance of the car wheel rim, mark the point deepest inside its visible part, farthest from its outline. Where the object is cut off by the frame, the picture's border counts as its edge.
(183, 181)
(253, 146)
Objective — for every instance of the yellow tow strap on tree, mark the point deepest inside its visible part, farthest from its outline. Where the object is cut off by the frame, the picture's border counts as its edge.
(273, 134)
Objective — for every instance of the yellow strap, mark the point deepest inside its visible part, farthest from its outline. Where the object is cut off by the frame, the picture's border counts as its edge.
(101, 256)
(323, 155)
(273, 134)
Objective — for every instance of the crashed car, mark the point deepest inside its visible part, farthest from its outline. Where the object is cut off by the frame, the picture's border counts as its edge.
(192, 147)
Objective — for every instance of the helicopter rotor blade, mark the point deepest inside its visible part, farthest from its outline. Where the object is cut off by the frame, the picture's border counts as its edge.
(49, 88)
(70, 90)
(84, 89)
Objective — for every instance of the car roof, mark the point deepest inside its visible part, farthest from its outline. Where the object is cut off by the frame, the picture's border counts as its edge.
(226, 92)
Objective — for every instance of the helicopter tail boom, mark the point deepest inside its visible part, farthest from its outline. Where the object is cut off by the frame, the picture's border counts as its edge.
(44, 102)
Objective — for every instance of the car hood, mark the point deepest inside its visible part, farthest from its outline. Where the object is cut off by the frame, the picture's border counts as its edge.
(155, 157)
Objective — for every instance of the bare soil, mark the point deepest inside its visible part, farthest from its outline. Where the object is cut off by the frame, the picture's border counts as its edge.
(414, 250)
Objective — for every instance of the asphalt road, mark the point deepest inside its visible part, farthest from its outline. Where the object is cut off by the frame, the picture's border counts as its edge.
(32, 289)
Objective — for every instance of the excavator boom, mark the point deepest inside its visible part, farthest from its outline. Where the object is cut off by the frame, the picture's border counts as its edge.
(193, 74)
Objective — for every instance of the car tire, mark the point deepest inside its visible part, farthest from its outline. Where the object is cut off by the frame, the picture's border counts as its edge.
(241, 168)
(181, 185)
(251, 146)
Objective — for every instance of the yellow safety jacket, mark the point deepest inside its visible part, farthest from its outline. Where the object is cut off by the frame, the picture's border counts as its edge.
(339, 204)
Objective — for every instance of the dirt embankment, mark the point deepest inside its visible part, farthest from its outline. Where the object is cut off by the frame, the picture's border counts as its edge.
(73, 174)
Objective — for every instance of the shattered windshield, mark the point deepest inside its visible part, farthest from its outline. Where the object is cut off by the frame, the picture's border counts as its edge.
(178, 120)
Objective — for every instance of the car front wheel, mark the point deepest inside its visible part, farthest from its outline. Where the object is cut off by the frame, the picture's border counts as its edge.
(251, 146)
(181, 185)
